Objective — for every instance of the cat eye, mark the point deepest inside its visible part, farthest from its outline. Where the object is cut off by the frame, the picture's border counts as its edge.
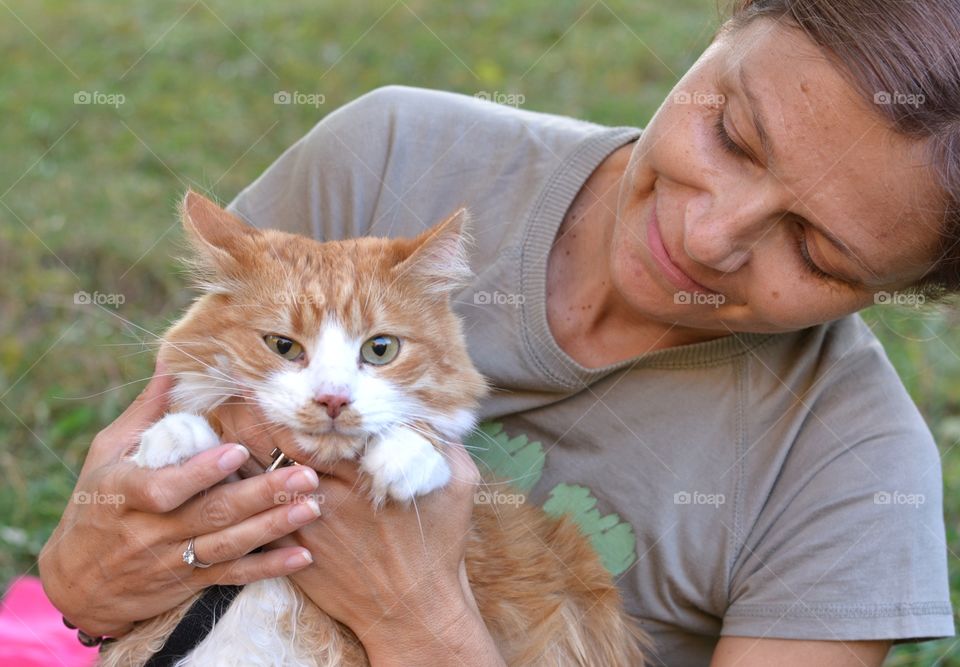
(380, 350)
(286, 348)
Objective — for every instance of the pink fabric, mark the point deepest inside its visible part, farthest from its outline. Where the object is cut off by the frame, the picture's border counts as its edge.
(32, 633)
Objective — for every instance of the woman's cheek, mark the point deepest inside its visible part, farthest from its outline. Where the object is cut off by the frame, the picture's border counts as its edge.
(793, 308)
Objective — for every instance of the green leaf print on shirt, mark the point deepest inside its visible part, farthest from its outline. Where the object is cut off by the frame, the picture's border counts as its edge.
(612, 537)
(521, 460)
(515, 460)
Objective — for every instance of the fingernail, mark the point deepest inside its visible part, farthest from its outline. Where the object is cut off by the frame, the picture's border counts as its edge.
(233, 458)
(303, 480)
(299, 560)
(303, 512)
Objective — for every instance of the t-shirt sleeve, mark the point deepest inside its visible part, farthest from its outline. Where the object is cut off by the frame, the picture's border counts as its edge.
(326, 184)
(850, 544)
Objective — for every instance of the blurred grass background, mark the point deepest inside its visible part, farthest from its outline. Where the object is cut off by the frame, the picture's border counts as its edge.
(87, 192)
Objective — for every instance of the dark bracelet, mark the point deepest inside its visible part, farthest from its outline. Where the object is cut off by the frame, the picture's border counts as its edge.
(85, 639)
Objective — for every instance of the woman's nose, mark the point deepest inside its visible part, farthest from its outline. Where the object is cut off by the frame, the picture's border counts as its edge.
(723, 235)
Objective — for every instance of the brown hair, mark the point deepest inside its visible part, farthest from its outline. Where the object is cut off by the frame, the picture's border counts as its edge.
(904, 58)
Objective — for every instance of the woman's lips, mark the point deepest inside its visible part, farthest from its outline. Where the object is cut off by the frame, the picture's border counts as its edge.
(671, 271)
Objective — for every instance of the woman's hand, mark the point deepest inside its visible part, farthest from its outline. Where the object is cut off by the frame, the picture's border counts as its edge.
(394, 576)
(115, 557)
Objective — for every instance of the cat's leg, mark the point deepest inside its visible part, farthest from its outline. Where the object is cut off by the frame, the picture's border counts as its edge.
(402, 464)
(175, 438)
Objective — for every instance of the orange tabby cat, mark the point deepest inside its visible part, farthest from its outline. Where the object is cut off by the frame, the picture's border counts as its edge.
(353, 346)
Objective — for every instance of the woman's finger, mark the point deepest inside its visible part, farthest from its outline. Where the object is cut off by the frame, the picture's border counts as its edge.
(229, 504)
(164, 489)
(255, 567)
(239, 540)
(251, 468)
(242, 421)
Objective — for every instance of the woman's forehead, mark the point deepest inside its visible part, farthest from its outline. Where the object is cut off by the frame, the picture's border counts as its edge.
(835, 152)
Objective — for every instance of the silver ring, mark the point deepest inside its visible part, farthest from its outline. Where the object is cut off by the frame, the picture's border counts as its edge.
(190, 556)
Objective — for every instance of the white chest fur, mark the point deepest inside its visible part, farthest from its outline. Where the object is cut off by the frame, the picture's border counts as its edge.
(258, 630)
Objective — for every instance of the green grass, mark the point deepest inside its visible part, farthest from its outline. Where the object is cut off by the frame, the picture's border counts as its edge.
(87, 192)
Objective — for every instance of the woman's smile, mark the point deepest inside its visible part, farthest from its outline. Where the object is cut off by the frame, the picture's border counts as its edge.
(661, 257)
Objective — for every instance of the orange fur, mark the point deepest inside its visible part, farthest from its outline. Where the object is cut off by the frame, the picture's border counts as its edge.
(540, 587)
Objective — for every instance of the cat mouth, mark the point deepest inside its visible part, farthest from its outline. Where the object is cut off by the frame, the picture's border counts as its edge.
(333, 429)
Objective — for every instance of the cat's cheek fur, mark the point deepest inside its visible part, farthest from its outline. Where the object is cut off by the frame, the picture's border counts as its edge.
(198, 393)
(381, 404)
(402, 464)
(284, 394)
(202, 391)
(175, 438)
(457, 424)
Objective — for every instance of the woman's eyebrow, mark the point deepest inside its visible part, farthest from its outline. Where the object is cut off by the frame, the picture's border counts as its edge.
(757, 116)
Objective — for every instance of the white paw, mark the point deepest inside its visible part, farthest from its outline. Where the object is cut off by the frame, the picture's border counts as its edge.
(402, 464)
(175, 438)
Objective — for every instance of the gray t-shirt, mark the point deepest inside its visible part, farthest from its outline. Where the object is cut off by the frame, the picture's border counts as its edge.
(763, 485)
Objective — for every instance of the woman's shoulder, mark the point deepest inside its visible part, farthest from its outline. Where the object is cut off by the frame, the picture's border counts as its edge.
(842, 349)
(427, 152)
(419, 106)
(410, 156)
(838, 377)
(484, 128)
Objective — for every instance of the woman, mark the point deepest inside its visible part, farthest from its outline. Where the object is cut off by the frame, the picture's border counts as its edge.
(669, 317)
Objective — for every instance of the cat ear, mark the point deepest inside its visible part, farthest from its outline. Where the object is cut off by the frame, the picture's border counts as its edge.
(439, 259)
(220, 240)
(211, 227)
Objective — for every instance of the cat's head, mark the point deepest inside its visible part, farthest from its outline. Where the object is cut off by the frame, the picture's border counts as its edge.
(335, 340)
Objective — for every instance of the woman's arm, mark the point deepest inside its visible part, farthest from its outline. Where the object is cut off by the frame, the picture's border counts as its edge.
(463, 640)
(758, 652)
(449, 632)
(393, 575)
(115, 556)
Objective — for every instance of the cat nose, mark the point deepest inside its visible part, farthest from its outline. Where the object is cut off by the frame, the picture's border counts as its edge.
(334, 403)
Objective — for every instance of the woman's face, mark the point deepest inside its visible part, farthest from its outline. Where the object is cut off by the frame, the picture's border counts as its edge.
(718, 234)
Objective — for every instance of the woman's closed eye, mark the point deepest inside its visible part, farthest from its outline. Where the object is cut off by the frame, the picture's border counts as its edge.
(728, 144)
(726, 141)
(808, 263)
